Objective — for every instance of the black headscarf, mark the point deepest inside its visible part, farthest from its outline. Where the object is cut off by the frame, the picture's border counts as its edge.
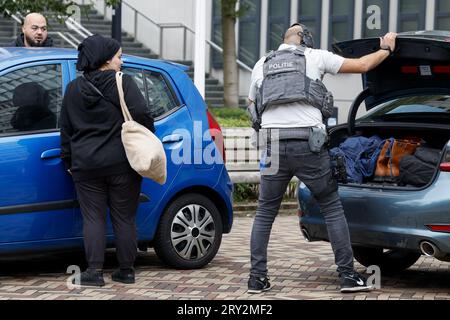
(94, 51)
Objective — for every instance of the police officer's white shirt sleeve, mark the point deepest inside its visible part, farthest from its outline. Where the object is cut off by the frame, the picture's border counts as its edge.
(330, 62)
(256, 79)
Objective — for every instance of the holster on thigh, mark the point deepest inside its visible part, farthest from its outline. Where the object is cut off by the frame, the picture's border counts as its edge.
(321, 188)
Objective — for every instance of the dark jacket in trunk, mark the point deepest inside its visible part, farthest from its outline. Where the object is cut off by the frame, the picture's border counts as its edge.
(91, 144)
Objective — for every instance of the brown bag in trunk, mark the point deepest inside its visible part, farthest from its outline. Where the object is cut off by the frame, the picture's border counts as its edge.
(388, 163)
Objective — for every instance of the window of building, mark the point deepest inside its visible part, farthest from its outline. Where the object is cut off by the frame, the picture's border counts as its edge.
(216, 34)
(341, 20)
(310, 14)
(279, 21)
(376, 18)
(30, 98)
(411, 15)
(249, 32)
(442, 21)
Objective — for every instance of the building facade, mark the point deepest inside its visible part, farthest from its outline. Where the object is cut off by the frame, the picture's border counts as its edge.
(260, 30)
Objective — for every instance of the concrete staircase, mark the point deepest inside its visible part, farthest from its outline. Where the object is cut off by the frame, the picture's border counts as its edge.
(96, 23)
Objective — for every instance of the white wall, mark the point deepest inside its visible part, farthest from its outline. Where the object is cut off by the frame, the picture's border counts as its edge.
(345, 88)
(161, 12)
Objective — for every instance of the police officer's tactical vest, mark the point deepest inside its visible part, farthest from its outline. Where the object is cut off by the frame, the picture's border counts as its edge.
(285, 81)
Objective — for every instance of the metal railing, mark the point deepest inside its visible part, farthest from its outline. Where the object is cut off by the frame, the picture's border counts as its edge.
(74, 25)
(163, 26)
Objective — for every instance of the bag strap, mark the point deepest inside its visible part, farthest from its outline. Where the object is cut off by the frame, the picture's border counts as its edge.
(123, 105)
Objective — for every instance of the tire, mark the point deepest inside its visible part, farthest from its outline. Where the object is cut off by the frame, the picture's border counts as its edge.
(389, 261)
(184, 243)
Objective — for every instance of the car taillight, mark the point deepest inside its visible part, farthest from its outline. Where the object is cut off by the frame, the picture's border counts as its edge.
(441, 69)
(410, 69)
(439, 227)
(445, 164)
(425, 70)
(216, 134)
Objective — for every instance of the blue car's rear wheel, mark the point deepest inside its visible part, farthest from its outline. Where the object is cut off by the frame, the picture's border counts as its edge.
(389, 261)
(189, 233)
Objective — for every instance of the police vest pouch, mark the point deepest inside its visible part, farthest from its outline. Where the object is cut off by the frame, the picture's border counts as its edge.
(144, 150)
(317, 138)
(285, 81)
(254, 117)
(327, 105)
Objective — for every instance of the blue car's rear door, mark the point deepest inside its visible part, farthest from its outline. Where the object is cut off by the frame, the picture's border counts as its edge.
(174, 128)
(36, 193)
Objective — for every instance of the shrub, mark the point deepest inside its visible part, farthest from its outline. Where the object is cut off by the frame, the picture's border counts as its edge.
(231, 117)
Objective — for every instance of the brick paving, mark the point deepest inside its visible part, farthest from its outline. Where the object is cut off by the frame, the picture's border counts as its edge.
(298, 270)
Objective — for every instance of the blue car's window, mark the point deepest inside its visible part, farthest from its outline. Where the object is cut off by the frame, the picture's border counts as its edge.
(157, 92)
(30, 98)
(137, 76)
(411, 107)
(159, 95)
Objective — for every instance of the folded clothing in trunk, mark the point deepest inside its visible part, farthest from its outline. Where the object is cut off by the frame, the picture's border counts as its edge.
(359, 154)
(418, 169)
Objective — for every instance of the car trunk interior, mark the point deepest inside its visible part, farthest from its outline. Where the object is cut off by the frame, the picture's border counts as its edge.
(436, 138)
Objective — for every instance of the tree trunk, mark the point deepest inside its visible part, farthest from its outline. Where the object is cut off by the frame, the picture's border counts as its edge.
(230, 68)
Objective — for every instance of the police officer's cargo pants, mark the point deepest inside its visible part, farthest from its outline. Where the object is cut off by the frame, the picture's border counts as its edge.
(121, 194)
(294, 158)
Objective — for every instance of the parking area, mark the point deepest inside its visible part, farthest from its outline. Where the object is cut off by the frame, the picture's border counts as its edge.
(298, 270)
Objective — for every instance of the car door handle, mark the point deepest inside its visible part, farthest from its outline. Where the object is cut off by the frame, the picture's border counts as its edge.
(52, 153)
(172, 138)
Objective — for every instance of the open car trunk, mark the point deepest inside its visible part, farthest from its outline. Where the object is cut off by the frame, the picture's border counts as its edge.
(408, 95)
(421, 60)
(432, 137)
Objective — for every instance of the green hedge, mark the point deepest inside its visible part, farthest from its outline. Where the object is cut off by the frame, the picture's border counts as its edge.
(245, 192)
(231, 117)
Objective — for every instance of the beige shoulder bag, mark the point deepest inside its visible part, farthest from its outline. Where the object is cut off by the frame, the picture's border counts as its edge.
(144, 150)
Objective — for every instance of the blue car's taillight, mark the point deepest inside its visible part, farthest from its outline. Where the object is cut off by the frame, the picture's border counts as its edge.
(216, 134)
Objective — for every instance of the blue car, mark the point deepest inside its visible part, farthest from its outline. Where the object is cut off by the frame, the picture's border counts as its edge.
(391, 224)
(183, 220)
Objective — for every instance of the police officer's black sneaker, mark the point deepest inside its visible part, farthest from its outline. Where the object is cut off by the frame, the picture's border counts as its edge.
(258, 284)
(353, 282)
(90, 277)
(123, 275)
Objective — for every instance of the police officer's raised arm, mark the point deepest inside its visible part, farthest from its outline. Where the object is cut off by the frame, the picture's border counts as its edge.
(370, 61)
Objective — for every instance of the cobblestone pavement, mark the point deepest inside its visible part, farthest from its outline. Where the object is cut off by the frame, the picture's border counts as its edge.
(298, 270)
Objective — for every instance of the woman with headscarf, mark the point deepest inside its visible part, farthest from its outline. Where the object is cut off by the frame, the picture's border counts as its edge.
(92, 150)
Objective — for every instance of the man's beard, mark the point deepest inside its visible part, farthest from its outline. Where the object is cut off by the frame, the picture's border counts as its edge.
(33, 43)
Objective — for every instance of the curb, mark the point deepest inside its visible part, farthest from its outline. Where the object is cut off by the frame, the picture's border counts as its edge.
(287, 208)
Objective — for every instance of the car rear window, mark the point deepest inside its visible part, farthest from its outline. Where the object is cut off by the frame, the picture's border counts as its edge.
(411, 107)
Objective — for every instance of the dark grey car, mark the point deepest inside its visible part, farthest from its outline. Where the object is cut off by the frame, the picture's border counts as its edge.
(391, 225)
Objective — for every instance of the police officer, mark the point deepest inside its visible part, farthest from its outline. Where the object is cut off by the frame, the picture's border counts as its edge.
(288, 97)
